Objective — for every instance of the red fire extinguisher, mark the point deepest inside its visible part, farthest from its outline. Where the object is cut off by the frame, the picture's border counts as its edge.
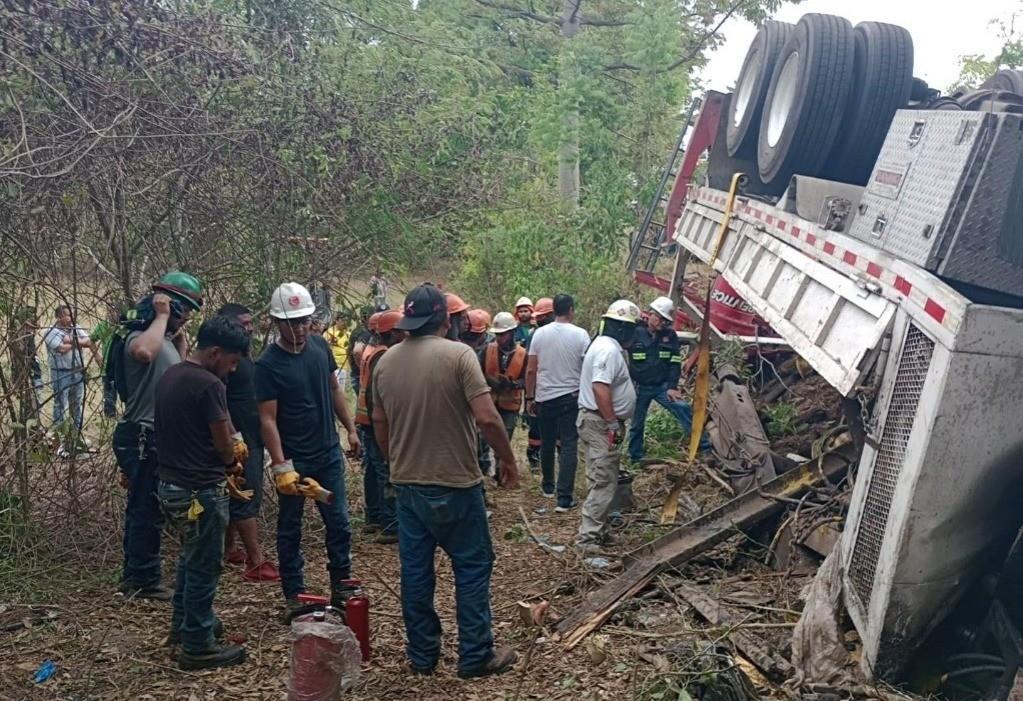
(356, 608)
(316, 656)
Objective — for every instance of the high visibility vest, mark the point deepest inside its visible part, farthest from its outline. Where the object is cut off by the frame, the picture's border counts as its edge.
(509, 399)
(362, 416)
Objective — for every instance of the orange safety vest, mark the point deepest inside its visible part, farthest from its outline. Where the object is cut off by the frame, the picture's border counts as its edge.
(509, 399)
(362, 416)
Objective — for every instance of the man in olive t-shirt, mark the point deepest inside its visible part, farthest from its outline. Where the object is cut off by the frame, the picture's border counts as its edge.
(429, 394)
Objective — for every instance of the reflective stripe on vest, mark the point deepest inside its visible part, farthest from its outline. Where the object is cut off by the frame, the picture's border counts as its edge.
(362, 416)
(639, 356)
(509, 399)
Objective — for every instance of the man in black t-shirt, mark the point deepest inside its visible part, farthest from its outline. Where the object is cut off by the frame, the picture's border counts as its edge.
(299, 397)
(195, 449)
(241, 403)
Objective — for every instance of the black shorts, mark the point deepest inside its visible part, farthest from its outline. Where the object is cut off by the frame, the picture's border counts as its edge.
(241, 510)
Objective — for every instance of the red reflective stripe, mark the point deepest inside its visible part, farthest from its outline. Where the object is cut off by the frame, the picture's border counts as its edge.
(810, 238)
(874, 269)
(935, 310)
(781, 225)
(849, 257)
(829, 247)
(902, 285)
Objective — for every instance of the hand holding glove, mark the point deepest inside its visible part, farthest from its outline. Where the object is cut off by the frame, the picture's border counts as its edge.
(615, 434)
(285, 478)
(241, 450)
(235, 491)
(308, 487)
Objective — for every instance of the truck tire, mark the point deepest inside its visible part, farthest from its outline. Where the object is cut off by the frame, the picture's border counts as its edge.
(1005, 80)
(806, 98)
(751, 86)
(882, 82)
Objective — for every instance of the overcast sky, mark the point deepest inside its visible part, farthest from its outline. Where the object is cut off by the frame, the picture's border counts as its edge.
(940, 34)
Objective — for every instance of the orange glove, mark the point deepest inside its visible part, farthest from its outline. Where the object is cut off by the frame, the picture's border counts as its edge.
(235, 490)
(286, 478)
(241, 450)
(310, 488)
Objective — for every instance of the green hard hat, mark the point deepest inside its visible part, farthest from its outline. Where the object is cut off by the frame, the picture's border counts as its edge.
(182, 286)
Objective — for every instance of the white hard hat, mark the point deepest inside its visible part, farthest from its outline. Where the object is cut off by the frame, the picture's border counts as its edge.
(524, 302)
(623, 310)
(291, 301)
(664, 307)
(504, 322)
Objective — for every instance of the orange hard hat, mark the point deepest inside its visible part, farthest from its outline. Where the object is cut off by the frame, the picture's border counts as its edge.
(456, 304)
(479, 320)
(386, 321)
(543, 306)
(374, 319)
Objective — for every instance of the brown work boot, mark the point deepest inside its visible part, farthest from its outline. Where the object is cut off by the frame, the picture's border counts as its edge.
(501, 662)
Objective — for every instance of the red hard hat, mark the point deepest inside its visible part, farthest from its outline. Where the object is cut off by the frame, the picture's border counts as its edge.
(543, 306)
(479, 320)
(455, 303)
(386, 321)
(374, 319)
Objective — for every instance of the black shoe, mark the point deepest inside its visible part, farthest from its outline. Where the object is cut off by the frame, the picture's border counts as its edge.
(215, 655)
(420, 671)
(371, 528)
(340, 593)
(564, 508)
(385, 538)
(501, 662)
(174, 637)
(157, 592)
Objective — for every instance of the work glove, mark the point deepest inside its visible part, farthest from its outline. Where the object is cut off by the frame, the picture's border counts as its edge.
(308, 487)
(241, 450)
(286, 478)
(235, 491)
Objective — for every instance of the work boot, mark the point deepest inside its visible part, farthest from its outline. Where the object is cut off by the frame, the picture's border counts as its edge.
(386, 538)
(216, 655)
(174, 637)
(157, 592)
(369, 528)
(501, 662)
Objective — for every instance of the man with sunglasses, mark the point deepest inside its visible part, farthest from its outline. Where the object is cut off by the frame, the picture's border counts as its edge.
(299, 397)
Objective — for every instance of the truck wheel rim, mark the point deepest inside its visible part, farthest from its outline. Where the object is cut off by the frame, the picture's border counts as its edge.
(743, 94)
(784, 97)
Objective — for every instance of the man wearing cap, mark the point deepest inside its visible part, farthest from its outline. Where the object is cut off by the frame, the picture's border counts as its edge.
(153, 344)
(606, 400)
(552, 384)
(524, 316)
(380, 514)
(299, 398)
(655, 364)
(429, 395)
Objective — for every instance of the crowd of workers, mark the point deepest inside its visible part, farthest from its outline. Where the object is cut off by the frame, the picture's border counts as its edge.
(440, 389)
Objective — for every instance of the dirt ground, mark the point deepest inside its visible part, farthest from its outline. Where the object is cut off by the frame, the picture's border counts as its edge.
(105, 647)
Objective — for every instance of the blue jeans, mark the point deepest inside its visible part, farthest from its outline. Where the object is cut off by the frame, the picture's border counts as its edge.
(135, 451)
(558, 431)
(376, 478)
(456, 520)
(330, 473)
(68, 393)
(201, 560)
(645, 394)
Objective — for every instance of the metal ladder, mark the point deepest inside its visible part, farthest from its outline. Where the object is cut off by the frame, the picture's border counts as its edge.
(648, 242)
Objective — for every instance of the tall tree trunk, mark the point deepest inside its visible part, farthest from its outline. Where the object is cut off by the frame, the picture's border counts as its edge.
(568, 150)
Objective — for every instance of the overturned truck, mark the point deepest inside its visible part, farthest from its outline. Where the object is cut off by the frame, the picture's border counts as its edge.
(899, 280)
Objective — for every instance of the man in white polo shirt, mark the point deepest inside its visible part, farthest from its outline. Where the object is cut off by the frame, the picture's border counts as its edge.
(552, 388)
(607, 399)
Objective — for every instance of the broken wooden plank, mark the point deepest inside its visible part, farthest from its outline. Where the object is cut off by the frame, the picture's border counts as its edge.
(698, 536)
(754, 648)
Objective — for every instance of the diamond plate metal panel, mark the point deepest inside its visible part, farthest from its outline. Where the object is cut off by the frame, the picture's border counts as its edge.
(884, 475)
(928, 153)
(947, 194)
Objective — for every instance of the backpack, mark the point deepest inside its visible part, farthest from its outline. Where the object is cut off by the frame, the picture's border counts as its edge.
(137, 318)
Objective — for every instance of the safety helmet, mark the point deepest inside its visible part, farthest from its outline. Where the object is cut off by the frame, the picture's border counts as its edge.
(664, 307)
(479, 320)
(386, 321)
(624, 311)
(524, 302)
(544, 306)
(374, 322)
(456, 304)
(504, 322)
(291, 301)
(181, 286)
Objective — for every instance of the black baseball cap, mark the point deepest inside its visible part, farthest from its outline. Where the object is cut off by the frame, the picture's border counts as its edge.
(422, 304)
